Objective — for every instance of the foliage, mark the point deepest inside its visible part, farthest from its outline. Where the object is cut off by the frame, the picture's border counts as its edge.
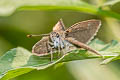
(19, 61)
(8, 7)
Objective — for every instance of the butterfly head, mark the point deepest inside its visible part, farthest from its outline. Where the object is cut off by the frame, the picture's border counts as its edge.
(57, 39)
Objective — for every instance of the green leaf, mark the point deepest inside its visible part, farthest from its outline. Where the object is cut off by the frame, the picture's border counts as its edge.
(111, 2)
(18, 61)
(8, 7)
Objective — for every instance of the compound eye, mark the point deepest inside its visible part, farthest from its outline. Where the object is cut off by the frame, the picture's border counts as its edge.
(57, 35)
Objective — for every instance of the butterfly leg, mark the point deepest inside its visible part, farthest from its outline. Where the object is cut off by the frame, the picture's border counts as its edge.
(51, 44)
(51, 51)
(59, 52)
(82, 45)
(63, 51)
(66, 48)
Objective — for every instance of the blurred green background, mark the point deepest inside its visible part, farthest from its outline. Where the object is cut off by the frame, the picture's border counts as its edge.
(14, 28)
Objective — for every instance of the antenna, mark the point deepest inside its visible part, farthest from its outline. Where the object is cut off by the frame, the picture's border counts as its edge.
(32, 35)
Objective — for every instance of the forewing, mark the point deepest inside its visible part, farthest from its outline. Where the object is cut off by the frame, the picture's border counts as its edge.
(41, 47)
(59, 26)
(83, 31)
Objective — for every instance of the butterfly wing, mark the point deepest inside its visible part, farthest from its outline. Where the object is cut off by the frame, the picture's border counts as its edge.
(83, 31)
(59, 26)
(41, 47)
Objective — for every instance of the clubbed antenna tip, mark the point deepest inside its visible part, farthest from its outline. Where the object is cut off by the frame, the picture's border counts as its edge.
(29, 35)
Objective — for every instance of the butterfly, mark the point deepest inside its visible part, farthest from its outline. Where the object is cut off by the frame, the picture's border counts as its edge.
(64, 40)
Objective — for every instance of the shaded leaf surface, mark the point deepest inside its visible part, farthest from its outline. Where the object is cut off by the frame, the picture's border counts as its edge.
(8, 7)
(111, 2)
(18, 61)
